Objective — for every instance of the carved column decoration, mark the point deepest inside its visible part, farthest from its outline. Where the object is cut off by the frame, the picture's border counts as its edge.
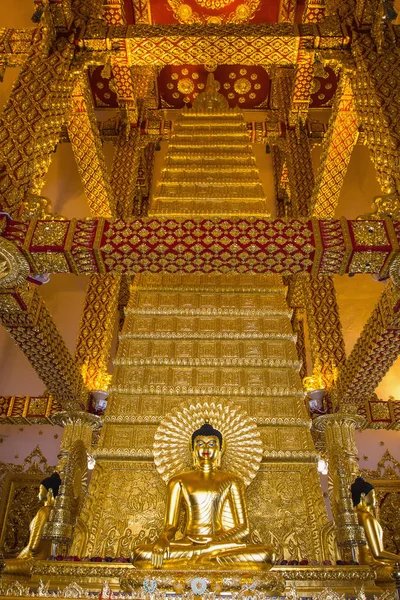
(374, 352)
(72, 466)
(145, 176)
(339, 433)
(31, 121)
(376, 87)
(26, 318)
(126, 93)
(296, 146)
(336, 152)
(314, 11)
(87, 146)
(114, 12)
(124, 171)
(96, 331)
(298, 328)
(325, 329)
(281, 181)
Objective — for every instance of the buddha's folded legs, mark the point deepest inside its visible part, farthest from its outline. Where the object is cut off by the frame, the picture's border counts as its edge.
(229, 554)
(247, 556)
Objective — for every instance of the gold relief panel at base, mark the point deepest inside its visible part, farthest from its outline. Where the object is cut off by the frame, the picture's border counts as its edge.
(284, 440)
(124, 508)
(287, 511)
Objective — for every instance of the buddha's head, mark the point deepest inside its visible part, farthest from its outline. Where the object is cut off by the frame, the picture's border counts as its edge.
(48, 488)
(207, 446)
(363, 493)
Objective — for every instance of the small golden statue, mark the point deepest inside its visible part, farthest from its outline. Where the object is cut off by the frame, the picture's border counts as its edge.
(37, 547)
(364, 502)
(216, 516)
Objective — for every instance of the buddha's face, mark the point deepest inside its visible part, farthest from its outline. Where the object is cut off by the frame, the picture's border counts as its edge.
(370, 499)
(42, 495)
(206, 449)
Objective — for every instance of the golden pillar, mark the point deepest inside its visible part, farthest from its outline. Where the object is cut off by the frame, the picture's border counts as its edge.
(341, 449)
(124, 171)
(296, 146)
(31, 121)
(76, 444)
(337, 148)
(26, 318)
(376, 87)
(374, 352)
(93, 348)
(325, 329)
(87, 146)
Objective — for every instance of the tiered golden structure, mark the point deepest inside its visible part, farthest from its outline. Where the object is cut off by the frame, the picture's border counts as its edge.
(220, 337)
(214, 343)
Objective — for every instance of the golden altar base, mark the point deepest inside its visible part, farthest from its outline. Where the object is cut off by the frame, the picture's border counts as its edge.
(43, 578)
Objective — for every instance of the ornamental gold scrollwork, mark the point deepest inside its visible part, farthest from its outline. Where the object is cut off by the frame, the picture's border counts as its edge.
(14, 267)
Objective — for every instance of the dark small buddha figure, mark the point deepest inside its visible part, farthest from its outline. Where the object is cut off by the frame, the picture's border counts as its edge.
(37, 547)
(217, 525)
(364, 502)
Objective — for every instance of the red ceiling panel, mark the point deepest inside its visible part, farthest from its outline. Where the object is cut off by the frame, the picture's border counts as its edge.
(243, 86)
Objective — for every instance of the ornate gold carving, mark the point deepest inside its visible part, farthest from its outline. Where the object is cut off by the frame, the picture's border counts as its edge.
(14, 267)
(253, 43)
(325, 330)
(172, 447)
(38, 103)
(33, 329)
(97, 329)
(339, 432)
(296, 146)
(375, 350)
(18, 492)
(337, 148)
(374, 85)
(87, 146)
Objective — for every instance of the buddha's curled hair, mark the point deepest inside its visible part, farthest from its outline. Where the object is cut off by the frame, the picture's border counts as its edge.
(207, 429)
(360, 486)
(53, 482)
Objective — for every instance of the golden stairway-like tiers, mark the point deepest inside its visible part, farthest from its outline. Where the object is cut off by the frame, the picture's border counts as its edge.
(210, 168)
(224, 338)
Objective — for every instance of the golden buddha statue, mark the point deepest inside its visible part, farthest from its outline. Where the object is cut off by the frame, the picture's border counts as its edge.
(37, 547)
(216, 516)
(364, 502)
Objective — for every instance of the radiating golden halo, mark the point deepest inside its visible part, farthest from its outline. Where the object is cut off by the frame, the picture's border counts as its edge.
(242, 441)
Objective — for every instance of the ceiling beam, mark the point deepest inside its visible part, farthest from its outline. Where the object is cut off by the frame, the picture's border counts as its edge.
(275, 44)
(205, 245)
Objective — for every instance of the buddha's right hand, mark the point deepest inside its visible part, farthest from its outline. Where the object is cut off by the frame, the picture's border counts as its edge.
(160, 551)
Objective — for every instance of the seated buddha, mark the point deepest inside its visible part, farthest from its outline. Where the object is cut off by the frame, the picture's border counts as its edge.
(37, 547)
(216, 516)
(364, 502)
